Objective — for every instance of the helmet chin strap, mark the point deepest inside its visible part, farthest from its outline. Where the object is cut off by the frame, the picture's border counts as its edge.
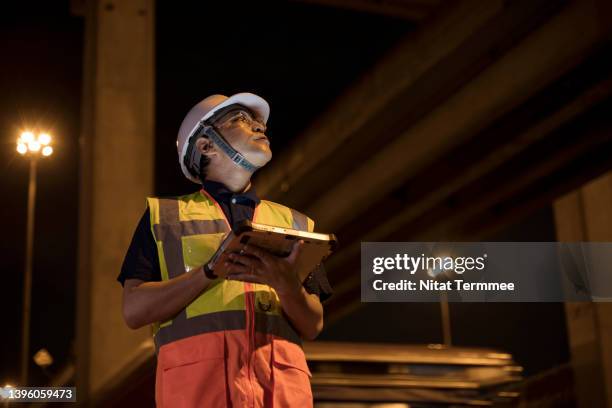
(233, 154)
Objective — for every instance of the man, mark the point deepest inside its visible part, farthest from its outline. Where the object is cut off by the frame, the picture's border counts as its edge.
(231, 336)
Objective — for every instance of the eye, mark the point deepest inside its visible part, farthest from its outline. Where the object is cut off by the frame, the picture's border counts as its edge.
(239, 117)
(246, 117)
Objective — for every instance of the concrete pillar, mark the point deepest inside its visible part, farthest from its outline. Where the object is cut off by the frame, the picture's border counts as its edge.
(116, 173)
(586, 215)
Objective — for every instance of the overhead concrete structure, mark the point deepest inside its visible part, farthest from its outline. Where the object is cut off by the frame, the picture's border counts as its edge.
(116, 173)
(483, 102)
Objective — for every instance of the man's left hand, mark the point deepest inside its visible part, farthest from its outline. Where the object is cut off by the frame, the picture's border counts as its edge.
(257, 265)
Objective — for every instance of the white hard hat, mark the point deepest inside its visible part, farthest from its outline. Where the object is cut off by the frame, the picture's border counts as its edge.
(205, 109)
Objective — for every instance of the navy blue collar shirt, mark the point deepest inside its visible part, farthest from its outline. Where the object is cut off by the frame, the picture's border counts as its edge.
(142, 262)
(236, 206)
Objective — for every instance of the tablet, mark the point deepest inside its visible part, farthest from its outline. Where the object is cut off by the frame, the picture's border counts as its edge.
(279, 241)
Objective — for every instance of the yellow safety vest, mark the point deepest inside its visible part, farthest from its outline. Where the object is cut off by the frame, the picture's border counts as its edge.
(188, 230)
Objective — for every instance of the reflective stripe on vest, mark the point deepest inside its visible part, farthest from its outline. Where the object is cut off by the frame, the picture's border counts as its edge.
(188, 230)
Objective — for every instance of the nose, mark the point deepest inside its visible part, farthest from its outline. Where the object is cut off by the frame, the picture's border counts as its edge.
(258, 127)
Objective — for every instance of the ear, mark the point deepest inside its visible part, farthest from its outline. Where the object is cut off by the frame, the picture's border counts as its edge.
(205, 146)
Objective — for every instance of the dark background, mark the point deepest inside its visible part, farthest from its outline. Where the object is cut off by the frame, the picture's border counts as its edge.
(300, 57)
(41, 48)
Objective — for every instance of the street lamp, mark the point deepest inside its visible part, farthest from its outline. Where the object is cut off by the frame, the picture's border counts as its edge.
(32, 146)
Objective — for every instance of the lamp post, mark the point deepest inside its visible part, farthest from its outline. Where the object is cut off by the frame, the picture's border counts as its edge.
(441, 274)
(32, 147)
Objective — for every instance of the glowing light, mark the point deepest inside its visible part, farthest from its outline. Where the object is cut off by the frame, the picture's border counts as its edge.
(43, 358)
(47, 150)
(34, 146)
(44, 139)
(27, 137)
(29, 143)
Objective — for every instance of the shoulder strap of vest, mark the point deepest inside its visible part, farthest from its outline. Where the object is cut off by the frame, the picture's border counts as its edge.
(293, 218)
(172, 210)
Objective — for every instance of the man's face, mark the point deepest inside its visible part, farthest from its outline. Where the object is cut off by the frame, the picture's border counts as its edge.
(245, 132)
